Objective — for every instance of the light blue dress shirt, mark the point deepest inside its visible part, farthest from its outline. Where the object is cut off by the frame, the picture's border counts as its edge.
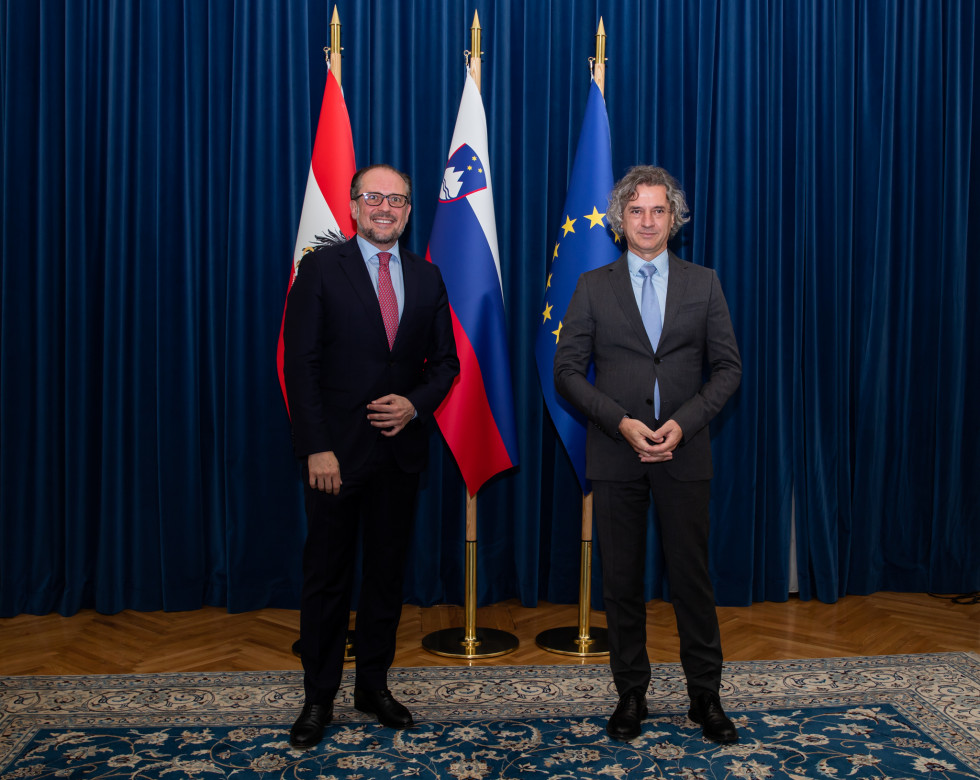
(659, 279)
(370, 254)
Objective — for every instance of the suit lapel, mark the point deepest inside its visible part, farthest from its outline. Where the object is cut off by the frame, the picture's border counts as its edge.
(353, 266)
(622, 287)
(410, 283)
(676, 288)
(676, 292)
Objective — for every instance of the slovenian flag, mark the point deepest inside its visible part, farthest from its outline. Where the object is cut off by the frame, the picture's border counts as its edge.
(584, 242)
(477, 417)
(325, 218)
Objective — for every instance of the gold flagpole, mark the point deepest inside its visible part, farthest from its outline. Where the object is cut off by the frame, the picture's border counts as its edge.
(476, 52)
(582, 640)
(332, 57)
(333, 53)
(333, 62)
(471, 642)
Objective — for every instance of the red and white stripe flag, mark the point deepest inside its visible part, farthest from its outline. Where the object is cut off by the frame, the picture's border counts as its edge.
(325, 218)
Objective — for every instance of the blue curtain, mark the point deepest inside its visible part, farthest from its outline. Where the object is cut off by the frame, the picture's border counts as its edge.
(154, 159)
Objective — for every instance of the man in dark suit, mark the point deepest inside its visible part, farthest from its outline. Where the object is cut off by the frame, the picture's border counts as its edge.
(660, 336)
(369, 356)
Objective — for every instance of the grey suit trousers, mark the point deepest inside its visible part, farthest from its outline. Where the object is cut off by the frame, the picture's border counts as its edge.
(682, 523)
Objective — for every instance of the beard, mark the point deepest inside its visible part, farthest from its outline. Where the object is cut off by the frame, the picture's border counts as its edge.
(378, 235)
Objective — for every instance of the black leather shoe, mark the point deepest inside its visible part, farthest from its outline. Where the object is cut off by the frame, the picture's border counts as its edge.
(625, 721)
(307, 731)
(715, 725)
(381, 703)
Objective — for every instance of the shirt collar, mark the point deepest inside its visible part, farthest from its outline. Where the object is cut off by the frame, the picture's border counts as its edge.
(661, 262)
(369, 250)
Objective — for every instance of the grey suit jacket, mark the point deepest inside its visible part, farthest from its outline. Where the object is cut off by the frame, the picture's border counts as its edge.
(696, 361)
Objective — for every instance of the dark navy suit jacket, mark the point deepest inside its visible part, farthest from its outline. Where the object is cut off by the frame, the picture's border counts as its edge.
(337, 358)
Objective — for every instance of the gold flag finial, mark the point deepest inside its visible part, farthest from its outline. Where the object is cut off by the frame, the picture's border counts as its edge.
(599, 67)
(334, 51)
(475, 51)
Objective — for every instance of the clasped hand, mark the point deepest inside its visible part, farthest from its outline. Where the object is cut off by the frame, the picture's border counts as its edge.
(391, 413)
(652, 446)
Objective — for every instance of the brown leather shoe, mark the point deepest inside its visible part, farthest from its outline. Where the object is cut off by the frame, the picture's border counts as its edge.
(307, 731)
(631, 710)
(381, 703)
(715, 725)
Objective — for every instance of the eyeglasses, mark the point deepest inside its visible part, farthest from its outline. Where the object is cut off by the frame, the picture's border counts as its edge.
(376, 199)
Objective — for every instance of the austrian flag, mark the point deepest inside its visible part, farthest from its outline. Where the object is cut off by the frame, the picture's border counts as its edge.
(325, 218)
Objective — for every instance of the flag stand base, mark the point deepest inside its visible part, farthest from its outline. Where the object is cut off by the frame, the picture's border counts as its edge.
(482, 643)
(568, 641)
(470, 642)
(580, 640)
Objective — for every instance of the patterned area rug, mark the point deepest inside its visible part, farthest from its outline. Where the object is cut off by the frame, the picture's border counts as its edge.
(909, 716)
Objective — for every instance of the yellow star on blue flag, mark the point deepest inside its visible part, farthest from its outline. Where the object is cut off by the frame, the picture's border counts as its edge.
(595, 218)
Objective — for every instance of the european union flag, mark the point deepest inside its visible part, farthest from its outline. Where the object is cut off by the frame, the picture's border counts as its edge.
(584, 242)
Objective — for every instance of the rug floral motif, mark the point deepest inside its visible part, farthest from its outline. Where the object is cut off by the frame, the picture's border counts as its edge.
(890, 717)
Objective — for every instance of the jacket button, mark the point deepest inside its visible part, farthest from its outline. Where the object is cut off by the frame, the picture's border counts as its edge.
(649, 402)
(656, 361)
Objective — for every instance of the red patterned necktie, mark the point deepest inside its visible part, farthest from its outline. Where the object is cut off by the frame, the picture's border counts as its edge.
(386, 297)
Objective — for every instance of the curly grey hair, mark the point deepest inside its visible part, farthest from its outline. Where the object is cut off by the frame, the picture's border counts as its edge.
(625, 191)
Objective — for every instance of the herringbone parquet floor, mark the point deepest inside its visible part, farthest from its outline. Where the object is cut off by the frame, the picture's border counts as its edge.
(210, 639)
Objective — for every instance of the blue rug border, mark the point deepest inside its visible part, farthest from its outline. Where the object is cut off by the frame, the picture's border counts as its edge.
(950, 715)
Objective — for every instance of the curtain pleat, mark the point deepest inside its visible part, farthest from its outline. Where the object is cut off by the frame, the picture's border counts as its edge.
(154, 159)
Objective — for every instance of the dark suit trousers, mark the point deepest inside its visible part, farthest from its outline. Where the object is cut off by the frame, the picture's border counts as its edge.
(682, 522)
(377, 502)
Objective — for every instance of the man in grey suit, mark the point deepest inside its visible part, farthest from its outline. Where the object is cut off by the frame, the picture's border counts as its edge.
(659, 333)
